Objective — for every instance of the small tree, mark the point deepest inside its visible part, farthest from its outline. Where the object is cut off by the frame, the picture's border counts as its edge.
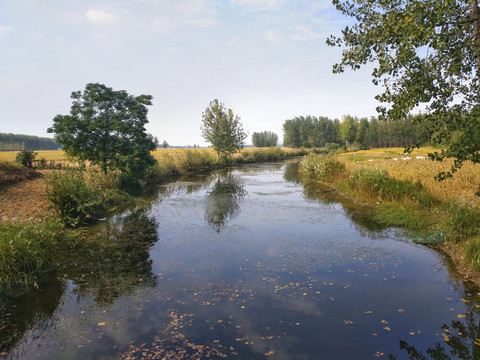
(222, 129)
(26, 157)
(107, 127)
(165, 144)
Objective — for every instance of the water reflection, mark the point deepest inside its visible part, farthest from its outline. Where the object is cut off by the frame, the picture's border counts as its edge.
(222, 201)
(461, 340)
(29, 312)
(116, 261)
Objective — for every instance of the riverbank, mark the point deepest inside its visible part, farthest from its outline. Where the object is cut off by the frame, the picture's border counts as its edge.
(449, 224)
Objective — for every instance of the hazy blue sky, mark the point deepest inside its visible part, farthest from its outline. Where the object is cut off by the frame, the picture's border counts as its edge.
(265, 59)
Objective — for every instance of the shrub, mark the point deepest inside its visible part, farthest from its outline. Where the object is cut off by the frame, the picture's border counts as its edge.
(462, 222)
(26, 158)
(77, 200)
(317, 167)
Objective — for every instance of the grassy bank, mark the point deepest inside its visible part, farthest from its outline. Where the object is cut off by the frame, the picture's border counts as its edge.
(80, 198)
(402, 193)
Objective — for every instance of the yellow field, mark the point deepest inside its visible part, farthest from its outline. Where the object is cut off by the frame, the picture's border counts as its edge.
(462, 186)
(49, 155)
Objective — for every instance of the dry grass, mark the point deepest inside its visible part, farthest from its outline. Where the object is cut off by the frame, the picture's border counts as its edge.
(461, 187)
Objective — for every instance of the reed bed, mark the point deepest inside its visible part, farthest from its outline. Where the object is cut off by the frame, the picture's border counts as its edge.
(461, 187)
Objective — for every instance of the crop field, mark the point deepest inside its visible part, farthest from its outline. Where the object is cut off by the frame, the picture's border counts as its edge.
(408, 167)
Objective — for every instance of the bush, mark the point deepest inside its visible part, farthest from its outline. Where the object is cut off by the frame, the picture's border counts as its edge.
(26, 252)
(26, 158)
(130, 184)
(318, 167)
(462, 222)
(80, 201)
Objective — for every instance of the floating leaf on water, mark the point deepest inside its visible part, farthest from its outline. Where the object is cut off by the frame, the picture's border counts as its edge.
(348, 322)
(459, 316)
(465, 300)
(101, 323)
(412, 333)
(401, 310)
(387, 328)
(270, 353)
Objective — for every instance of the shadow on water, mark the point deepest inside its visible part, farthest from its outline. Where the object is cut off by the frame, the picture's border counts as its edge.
(116, 261)
(112, 265)
(29, 312)
(223, 201)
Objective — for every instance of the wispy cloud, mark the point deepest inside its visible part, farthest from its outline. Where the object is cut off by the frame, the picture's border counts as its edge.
(180, 16)
(259, 5)
(100, 16)
(5, 29)
(302, 33)
(273, 36)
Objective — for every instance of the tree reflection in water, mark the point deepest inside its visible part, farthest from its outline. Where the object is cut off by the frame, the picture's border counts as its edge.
(461, 339)
(222, 202)
(116, 261)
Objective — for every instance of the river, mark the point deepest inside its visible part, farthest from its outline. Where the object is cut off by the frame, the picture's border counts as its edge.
(244, 264)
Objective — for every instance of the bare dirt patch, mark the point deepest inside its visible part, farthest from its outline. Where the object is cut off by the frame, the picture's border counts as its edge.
(24, 201)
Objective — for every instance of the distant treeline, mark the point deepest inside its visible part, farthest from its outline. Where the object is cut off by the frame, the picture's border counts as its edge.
(311, 131)
(13, 142)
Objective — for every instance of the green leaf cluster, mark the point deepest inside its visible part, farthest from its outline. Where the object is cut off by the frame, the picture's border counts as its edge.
(107, 128)
(223, 129)
(426, 54)
(264, 139)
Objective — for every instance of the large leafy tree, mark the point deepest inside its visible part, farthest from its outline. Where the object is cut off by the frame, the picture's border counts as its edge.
(223, 129)
(107, 128)
(426, 53)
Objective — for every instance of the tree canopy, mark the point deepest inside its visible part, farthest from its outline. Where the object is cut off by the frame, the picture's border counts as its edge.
(107, 127)
(222, 128)
(264, 139)
(426, 53)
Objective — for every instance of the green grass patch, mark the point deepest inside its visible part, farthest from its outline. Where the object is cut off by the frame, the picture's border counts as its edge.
(26, 252)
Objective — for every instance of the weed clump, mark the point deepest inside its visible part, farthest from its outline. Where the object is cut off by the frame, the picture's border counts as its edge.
(317, 167)
(81, 199)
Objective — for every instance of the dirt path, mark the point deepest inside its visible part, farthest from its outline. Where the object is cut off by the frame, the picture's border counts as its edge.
(24, 201)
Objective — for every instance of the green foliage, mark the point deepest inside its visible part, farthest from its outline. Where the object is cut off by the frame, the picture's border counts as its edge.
(26, 158)
(427, 53)
(264, 139)
(26, 251)
(462, 222)
(377, 184)
(472, 253)
(107, 128)
(80, 201)
(323, 168)
(316, 131)
(221, 128)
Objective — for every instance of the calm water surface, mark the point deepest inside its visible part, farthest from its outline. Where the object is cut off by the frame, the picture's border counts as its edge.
(243, 265)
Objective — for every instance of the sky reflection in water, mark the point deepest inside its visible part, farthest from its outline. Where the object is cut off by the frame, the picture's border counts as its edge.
(239, 264)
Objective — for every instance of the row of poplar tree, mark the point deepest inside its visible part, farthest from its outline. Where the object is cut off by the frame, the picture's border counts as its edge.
(364, 133)
(13, 142)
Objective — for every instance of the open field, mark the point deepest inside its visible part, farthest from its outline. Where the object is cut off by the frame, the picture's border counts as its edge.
(48, 155)
(461, 187)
